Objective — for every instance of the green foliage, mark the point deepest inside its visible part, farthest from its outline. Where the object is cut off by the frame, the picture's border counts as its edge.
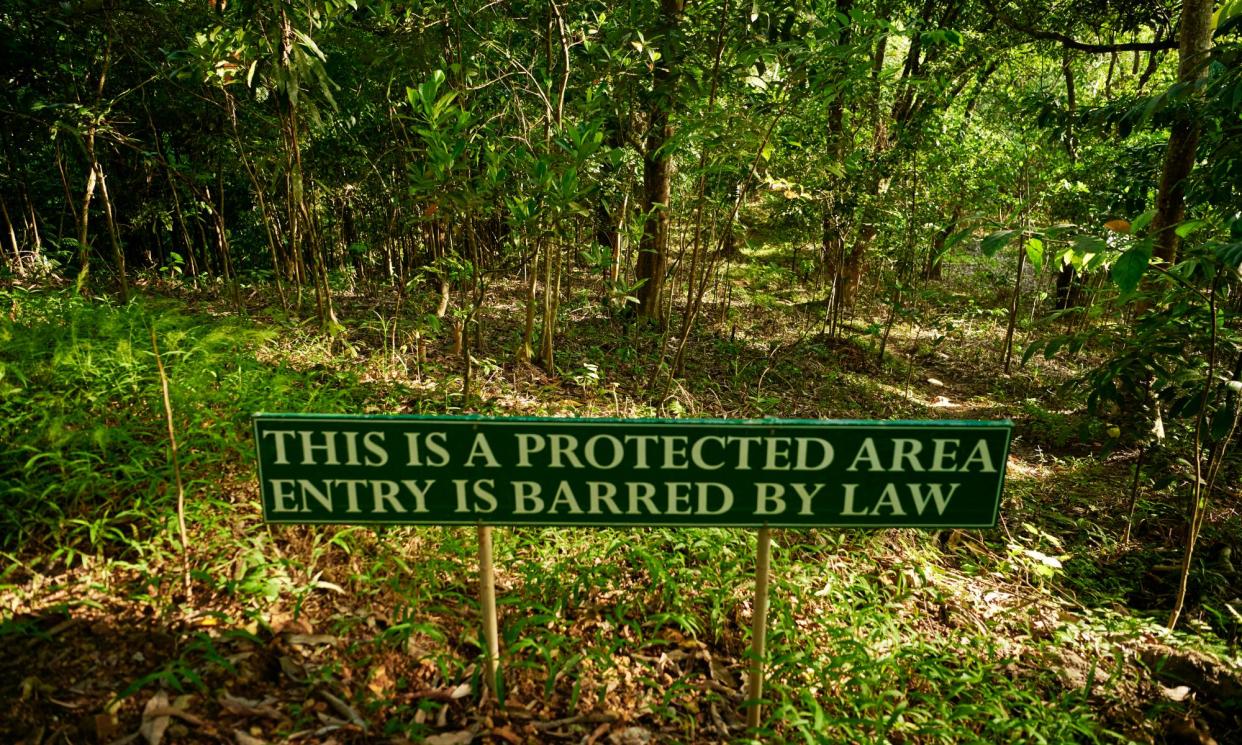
(86, 459)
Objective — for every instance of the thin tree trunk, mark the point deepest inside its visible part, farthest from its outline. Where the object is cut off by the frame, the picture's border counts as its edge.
(525, 351)
(18, 269)
(1013, 305)
(84, 216)
(1199, 491)
(36, 255)
(1194, 46)
(657, 169)
(118, 255)
(1071, 104)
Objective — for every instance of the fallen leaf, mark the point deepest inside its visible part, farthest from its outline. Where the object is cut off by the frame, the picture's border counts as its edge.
(105, 726)
(463, 737)
(154, 721)
(379, 682)
(245, 739)
(248, 707)
(350, 713)
(630, 736)
(311, 640)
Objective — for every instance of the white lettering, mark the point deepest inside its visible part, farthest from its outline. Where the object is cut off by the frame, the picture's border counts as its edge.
(279, 437)
(385, 492)
(527, 492)
(803, 461)
(282, 492)
(527, 444)
(481, 448)
(374, 443)
(696, 453)
(418, 492)
(769, 499)
(868, 453)
(564, 495)
(888, 498)
(906, 450)
(328, 447)
(806, 497)
(934, 491)
(592, 457)
(982, 456)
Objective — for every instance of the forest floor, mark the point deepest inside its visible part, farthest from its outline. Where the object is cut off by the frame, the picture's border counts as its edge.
(1048, 628)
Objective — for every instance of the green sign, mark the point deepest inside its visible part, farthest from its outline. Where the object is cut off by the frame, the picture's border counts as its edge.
(608, 472)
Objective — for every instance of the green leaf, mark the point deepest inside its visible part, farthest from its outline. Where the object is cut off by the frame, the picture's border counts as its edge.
(1230, 254)
(1129, 269)
(996, 241)
(1031, 349)
(1187, 228)
(1222, 421)
(1142, 221)
(1035, 252)
(310, 44)
(1090, 244)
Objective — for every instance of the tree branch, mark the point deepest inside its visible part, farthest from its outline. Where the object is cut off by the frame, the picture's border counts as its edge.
(1070, 42)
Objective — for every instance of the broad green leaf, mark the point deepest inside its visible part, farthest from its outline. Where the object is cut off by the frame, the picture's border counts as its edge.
(1035, 252)
(1090, 244)
(1187, 228)
(1142, 221)
(1129, 269)
(996, 241)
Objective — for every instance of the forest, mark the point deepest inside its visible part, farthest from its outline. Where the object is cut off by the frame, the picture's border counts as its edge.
(880, 210)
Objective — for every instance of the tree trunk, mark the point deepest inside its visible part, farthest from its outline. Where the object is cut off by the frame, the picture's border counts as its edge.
(1194, 44)
(1071, 105)
(652, 262)
(118, 256)
(933, 269)
(84, 217)
(17, 252)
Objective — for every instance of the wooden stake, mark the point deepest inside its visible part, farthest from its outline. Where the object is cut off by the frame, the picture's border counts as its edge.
(759, 626)
(487, 603)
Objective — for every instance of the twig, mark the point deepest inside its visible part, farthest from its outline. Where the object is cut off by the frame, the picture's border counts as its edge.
(580, 719)
(172, 443)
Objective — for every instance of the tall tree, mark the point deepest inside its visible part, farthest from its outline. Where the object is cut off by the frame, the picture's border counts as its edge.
(652, 263)
(1194, 46)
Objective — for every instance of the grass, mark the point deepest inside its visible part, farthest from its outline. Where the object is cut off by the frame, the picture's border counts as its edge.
(1012, 635)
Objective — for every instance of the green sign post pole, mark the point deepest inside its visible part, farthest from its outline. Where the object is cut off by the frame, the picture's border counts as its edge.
(386, 470)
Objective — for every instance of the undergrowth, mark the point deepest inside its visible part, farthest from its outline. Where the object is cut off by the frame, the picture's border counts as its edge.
(895, 636)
